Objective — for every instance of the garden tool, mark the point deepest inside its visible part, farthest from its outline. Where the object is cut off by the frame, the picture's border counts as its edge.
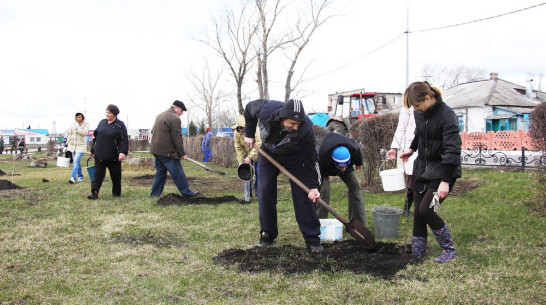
(354, 227)
(205, 167)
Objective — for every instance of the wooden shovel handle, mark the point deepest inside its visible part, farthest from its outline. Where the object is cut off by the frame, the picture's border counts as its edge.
(300, 184)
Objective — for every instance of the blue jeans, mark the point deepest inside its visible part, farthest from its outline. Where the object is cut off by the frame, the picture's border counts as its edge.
(76, 166)
(208, 156)
(174, 167)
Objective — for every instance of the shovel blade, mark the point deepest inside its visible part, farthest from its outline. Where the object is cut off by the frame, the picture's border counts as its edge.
(361, 233)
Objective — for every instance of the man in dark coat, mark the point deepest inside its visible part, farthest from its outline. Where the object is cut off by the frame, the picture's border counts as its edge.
(288, 138)
(337, 154)
(168, 148)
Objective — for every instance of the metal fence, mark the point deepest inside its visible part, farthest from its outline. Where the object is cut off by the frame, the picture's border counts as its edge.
(480, 155)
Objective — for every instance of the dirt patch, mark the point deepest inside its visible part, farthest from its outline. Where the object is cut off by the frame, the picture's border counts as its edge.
(175, 199)
(384, 261)
(7, 185)
(220, 185)
(463, 187)
(2, 173)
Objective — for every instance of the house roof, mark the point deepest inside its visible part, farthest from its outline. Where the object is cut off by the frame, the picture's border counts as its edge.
(491, 92)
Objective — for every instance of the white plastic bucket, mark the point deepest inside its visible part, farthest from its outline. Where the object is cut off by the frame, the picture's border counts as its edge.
(392, 179)
(63, 162)
(331, 229)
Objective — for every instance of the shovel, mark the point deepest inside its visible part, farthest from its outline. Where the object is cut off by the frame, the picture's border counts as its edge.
(354, 227)
(205, 167)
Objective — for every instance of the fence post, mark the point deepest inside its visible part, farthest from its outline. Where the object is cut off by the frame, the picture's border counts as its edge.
(523, 159)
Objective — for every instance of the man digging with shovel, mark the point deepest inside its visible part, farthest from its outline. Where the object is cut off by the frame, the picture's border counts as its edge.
(288, 138)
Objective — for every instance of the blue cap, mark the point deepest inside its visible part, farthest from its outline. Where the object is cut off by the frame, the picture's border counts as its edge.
(341, 156)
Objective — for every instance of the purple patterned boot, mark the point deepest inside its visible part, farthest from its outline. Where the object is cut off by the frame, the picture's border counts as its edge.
(446, 242)
(418, 246)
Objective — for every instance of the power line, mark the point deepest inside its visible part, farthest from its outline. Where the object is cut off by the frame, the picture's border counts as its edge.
(478, 20)
(358, 59)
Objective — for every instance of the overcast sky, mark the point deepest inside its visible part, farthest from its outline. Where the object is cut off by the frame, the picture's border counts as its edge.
(58, 57)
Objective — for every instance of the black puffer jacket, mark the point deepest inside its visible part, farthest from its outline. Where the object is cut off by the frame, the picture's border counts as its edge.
(328, 143)
(438, 141)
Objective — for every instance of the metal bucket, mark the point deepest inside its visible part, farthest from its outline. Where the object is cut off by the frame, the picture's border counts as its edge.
(385, 221)
(245, 172)
(90, 170)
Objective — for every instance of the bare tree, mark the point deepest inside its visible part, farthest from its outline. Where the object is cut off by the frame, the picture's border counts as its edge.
(268, 18)
(445, 78)
(304, 31)
(208, 95)
(238, 30)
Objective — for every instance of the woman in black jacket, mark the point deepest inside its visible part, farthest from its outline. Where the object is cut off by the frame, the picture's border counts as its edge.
(109, 148)
(436, 168)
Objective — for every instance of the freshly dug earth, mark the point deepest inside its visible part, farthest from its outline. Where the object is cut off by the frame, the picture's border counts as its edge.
(171, 199)
(384, 261)
(7, 185)
(2, 173)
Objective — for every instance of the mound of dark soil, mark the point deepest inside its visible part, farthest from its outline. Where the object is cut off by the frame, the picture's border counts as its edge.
(171, 199)
(2, 173)
(384, 261)
(7, 185)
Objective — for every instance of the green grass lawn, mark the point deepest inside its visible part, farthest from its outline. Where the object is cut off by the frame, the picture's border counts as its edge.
(58, 247)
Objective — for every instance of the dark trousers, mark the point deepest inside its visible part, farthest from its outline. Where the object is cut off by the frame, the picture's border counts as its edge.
(114, 167)
(304, 208)
(423, 215)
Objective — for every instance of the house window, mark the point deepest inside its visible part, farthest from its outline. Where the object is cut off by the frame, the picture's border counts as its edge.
(38, 139)
(31, 139)
(461, 122)
(513, 124)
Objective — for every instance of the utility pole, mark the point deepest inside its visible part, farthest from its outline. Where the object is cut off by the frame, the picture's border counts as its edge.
(407, 45)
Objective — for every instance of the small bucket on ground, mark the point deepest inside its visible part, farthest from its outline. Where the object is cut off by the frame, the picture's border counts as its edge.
(90, 170)
(385, 221)
(245, 172)
(63, 162)
(331, 229)
(392, 179)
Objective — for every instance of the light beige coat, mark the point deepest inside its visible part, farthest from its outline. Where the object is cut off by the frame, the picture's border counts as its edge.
(77, 134)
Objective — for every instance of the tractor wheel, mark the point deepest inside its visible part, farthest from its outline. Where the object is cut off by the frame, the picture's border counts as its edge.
(337, 127)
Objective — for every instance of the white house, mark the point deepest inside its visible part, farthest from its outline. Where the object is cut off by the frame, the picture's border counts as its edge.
(492, 104)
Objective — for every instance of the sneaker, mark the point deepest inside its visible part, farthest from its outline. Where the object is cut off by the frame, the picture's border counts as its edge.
(71, 181)
(315, 248)
(265, 240)
(193, 194)
(80, 179)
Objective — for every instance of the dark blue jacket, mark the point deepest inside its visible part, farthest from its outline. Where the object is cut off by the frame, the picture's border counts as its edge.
(328, 143)
(109, 140)
(275, 140)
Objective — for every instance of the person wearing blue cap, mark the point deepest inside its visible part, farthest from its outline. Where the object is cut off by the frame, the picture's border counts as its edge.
(337, 155)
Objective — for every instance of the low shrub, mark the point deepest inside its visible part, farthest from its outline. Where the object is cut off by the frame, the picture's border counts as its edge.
(374, 135)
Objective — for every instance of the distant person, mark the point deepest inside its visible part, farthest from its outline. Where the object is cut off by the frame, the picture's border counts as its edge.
(13, 145)
(247, 155)
(436, 168)
(109, 148)
(205, 145)
(337, 155)
(1, 145)
(288, 138)
(167, 147)
(405, 130)
(77, 144)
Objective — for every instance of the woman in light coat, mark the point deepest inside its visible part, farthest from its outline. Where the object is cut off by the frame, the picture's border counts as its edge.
(405, 131)
(77, 144)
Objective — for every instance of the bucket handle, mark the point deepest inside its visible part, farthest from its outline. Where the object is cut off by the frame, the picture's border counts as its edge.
(87, 165)
(386, 159)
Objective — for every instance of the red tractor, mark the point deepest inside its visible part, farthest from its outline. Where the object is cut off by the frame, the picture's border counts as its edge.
(348, 108)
